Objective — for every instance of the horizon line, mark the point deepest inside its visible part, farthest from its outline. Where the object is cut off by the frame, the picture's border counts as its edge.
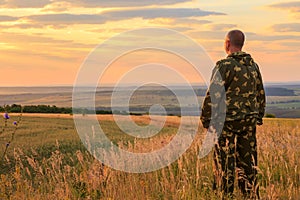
(134, 84)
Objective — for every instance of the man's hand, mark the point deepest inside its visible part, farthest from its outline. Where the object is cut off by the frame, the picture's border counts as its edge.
(259, 122)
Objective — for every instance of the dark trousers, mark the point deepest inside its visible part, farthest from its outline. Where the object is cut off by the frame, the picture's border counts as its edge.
(236, 152)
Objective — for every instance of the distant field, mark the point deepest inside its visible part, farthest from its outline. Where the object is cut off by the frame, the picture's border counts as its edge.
(47, 161)
(282, 100)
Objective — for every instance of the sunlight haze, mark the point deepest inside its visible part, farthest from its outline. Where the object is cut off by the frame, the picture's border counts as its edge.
(45, 42)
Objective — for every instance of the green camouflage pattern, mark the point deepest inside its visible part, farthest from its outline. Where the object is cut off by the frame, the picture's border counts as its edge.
(245, 94)
(237, 83)
(237, 152)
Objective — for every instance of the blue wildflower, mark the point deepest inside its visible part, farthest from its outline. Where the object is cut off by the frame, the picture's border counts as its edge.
(6, 116)
(15, 123)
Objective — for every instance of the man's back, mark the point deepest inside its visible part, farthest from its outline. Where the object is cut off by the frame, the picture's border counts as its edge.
(243, 87)
(245, 96)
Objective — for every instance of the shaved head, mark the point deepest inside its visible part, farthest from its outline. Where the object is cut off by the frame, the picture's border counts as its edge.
(236, 38)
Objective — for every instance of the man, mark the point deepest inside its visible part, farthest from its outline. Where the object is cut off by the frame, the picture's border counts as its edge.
(244, 99)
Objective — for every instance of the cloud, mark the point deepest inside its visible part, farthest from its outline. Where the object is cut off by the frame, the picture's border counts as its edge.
(292, 6)
(24, 3)
(25, 39)
(289, 27)
(187, 21)
(123, 3)
(257, 37)
(37, 45)
(151, 13)
(18, 38)
(57, 7)
(22, 26)
(250, 36)
(184, 24)
(292, 44)
(86, 3)
(63, 19)
(5, 18)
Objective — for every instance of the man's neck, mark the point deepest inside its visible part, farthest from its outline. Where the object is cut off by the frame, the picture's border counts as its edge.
(234, 51)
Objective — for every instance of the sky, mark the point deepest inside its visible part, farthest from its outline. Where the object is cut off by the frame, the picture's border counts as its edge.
(46, 42)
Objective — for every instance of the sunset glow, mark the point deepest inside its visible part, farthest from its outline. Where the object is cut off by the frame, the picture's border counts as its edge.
(45, 42)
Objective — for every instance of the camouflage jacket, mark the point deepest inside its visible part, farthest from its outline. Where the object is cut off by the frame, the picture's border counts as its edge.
(237, 82)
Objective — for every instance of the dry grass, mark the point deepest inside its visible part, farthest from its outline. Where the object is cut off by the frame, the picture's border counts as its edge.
(47, 161)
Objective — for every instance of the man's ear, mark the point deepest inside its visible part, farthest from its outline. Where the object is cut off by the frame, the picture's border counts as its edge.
(227, 45)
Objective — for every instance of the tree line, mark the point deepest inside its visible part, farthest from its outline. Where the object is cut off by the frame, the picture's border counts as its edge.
(15, 108)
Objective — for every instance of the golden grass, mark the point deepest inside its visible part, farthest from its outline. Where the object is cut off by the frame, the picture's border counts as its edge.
(47, 161)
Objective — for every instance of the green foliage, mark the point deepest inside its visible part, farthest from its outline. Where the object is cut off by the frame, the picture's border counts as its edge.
(14, 108)
(269, 115)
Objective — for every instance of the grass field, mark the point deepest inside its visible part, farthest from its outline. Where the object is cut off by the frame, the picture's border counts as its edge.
(47, 161)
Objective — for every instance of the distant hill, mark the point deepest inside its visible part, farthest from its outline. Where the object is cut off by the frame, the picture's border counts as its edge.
(282, 100)
(277, 91)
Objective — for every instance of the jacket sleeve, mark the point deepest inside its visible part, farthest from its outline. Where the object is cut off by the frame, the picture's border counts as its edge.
(206, 110)
(216, 89)
(261, 98)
